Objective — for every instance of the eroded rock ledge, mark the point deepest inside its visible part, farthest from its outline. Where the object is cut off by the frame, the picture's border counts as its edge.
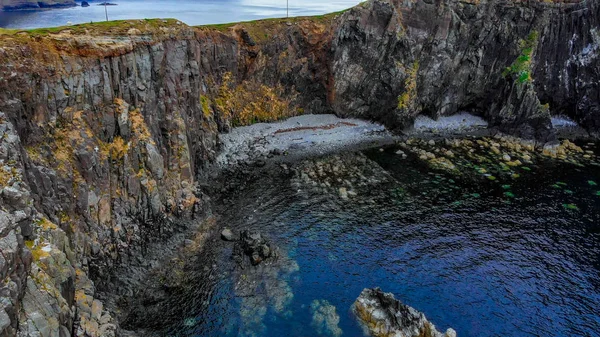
(107, 129)
(383, 315)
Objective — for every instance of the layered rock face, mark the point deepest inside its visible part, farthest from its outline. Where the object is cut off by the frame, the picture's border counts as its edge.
(107, 128)
(104, 136)
(13, 5)
(107, 157)
(504, 60)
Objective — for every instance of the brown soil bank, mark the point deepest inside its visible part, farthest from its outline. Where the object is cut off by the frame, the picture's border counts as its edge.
(107, 128)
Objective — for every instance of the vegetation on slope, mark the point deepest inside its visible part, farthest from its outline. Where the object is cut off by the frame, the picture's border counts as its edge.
(521, 68)
(263, 29)
(116, 27)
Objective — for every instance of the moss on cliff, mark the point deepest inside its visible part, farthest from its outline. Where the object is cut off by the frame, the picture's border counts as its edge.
(521, 68)
(249, 102)
(116, 150)
(406, 100)
(7, 173)
(205, 103)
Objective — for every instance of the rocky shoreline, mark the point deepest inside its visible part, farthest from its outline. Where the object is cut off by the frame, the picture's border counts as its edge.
(109, 131)
(297, 138)
(328, 173)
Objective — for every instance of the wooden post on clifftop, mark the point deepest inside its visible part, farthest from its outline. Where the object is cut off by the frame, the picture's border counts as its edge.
(287, 15)
(105, 11)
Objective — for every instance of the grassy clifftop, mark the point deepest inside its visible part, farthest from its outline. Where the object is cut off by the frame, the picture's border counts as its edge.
(326, 18)
(262, 30)
(152, 26)
(117, 27)
(94, 39)
(117, 37)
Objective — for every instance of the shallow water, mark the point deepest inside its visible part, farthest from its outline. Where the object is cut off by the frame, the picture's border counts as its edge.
(192, 12)
(516, 257)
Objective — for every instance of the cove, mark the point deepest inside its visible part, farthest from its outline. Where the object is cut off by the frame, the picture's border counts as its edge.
(116, 179)
(488, 258)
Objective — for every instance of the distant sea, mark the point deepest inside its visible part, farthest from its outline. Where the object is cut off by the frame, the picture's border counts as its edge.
(192, 12)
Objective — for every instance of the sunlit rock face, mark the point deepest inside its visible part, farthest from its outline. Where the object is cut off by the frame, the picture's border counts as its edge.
(382, 315)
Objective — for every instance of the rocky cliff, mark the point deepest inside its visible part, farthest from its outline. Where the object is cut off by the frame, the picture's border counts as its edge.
(13, 5)
(514, 62)
(107, 128)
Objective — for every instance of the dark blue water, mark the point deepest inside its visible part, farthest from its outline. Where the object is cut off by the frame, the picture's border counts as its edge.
(487, 258)
(192, 12)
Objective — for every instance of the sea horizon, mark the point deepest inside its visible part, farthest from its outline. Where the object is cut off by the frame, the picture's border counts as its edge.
(191, 12)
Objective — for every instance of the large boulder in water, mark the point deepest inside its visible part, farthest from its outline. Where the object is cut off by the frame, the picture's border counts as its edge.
(255, 246)
(382, 315)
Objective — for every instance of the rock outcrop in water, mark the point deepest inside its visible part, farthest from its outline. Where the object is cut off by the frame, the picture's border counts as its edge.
(255, 247)
(14, 5)
(107, 128)
(384, 316)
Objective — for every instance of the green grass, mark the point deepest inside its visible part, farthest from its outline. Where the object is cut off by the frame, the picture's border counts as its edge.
(114, 27)
(223, 27)
(259, 29)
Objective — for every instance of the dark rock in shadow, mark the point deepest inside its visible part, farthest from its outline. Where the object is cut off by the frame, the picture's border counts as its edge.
(255, 247)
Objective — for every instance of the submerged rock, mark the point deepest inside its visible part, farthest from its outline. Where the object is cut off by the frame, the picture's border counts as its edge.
(382, 315)
(254, 246)
(263, 289)
(325, 319)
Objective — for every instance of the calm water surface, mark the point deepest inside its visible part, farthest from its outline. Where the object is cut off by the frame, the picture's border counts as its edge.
(489, 258)
(192, 12)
